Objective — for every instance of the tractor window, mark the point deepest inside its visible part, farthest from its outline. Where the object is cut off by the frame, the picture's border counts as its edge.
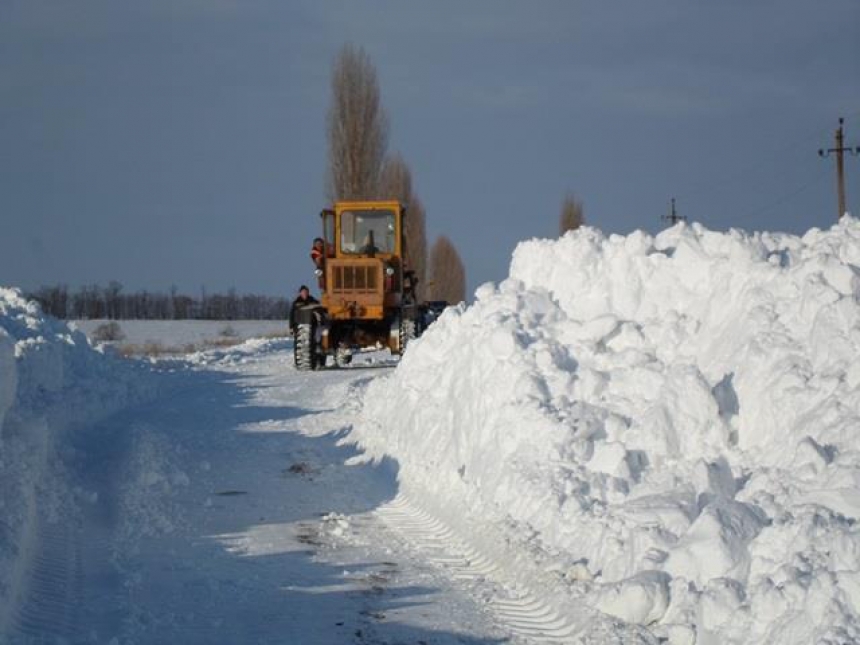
(367, 232)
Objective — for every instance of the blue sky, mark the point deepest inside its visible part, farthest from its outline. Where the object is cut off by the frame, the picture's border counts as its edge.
(183, 142)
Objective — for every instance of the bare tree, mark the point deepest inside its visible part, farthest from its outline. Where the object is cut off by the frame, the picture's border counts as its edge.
(396, 179)
(572, 216)
(396, 183)
(416, 241)
(112, 299)
(54, 300)
(357, 128)
(447, 273)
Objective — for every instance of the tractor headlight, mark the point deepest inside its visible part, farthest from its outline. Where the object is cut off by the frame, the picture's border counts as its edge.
(389, 271)
(318, 272)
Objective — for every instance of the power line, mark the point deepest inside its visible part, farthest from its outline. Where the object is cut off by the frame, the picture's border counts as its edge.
(784, 198)
(744, 172)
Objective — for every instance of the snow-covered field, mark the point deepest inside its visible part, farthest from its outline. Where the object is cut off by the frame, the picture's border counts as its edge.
(632, 439)
(181, 336)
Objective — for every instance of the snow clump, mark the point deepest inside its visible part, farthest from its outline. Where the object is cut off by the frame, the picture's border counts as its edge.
(670, 422)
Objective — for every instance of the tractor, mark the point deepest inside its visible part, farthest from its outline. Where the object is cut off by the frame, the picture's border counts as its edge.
(368, 292)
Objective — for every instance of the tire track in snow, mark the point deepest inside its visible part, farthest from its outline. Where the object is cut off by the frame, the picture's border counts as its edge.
(47, 612)
(72, 549)
(526, 614)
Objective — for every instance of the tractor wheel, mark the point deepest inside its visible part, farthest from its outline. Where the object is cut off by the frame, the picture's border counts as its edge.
(304, 348)
(408, 333)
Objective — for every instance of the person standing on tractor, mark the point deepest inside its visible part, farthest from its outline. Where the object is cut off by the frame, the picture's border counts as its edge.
(304, 299)
(318, 252)
(318, 257)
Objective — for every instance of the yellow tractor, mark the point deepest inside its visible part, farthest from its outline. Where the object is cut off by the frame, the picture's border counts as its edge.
(368, 292)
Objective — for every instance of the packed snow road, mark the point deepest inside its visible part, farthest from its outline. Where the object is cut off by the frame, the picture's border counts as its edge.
(225, 513)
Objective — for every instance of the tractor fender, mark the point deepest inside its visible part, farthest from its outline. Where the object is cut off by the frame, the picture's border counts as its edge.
(310, 315)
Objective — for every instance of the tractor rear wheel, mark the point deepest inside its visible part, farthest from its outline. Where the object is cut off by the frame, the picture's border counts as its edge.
(408, 333)
(304, 348)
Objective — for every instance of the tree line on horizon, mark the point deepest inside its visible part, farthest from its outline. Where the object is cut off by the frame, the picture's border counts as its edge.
(94, 302)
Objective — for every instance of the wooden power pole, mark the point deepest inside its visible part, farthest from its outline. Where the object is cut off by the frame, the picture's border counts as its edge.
(673, 215)
(839, 150)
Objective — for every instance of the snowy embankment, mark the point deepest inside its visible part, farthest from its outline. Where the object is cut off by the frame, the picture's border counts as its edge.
(51, 380)
(669, 424)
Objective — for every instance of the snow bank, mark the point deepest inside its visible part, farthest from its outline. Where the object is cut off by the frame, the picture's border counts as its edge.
(51, 381)
(672, 421)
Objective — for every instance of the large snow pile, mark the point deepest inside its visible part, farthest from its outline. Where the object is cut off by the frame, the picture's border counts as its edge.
(51, 381)
(670, 423)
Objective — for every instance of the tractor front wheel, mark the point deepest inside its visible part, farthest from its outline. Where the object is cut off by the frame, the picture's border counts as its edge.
(304, 348)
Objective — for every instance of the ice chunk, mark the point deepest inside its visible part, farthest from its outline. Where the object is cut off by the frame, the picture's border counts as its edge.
(642, 598)
(715, 546)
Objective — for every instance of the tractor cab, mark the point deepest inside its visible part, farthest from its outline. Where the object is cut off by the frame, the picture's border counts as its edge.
(364, 271)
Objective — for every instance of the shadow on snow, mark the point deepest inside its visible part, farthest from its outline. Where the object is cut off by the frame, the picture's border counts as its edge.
(226, 553)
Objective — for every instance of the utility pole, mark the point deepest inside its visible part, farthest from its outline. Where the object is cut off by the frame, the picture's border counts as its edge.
(673, 215)
(840, 166)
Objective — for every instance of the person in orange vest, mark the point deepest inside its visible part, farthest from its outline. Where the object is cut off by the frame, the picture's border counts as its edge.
(318, 252)
(318, 258)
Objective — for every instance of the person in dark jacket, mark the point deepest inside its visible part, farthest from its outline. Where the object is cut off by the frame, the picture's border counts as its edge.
(304, 299)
